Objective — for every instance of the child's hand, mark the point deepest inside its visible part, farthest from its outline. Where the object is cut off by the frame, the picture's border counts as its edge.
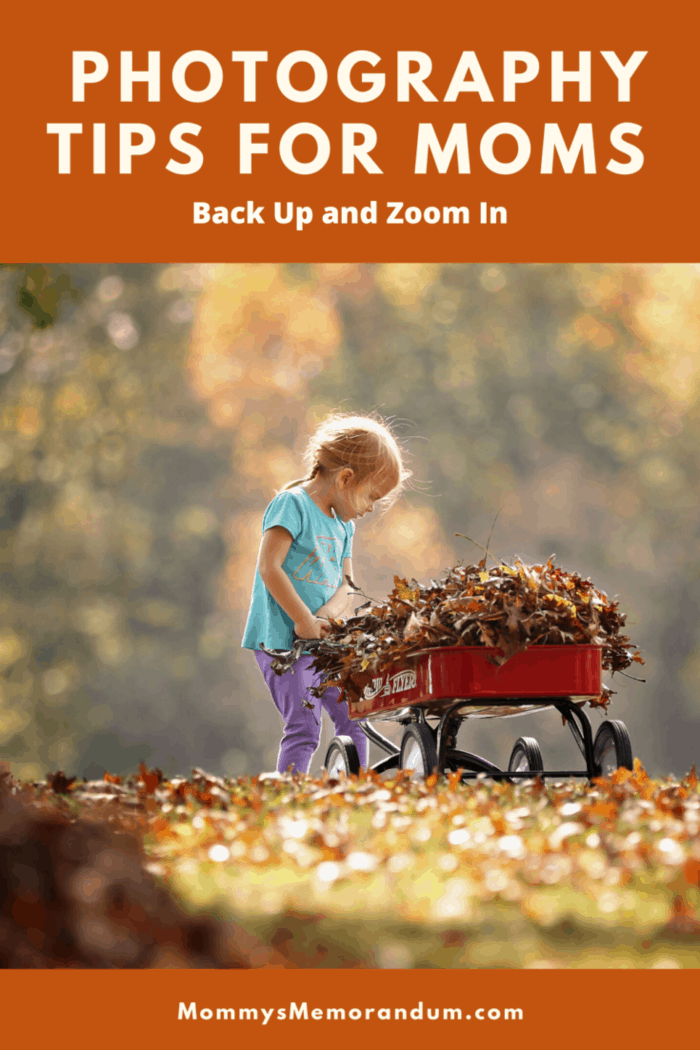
(314, 627)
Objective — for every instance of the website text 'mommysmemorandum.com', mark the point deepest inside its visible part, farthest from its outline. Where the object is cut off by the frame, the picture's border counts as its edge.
(303, 1012)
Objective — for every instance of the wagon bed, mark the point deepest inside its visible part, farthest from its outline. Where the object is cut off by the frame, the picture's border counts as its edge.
(452, 683)
(440, 676)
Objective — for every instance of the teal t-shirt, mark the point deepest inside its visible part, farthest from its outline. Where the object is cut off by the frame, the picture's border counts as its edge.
(314, 564)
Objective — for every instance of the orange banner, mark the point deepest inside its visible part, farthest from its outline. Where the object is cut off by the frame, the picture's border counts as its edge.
(496, 1008)
(435, 132)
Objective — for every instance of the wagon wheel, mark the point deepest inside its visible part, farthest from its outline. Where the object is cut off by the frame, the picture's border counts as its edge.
(342, 757)
(418, 751)
(526, 756)
(612, 748)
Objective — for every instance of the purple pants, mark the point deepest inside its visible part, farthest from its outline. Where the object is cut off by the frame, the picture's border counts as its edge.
(302, 726)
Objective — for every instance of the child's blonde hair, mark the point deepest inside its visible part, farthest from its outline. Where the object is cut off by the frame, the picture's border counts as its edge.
(363, 443)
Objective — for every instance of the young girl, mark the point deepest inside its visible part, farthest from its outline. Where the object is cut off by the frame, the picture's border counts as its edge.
(305, 556)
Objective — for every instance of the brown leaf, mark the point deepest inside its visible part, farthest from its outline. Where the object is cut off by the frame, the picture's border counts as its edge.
(404, 591)
(414, 626)
(59, 783)
(150, 780)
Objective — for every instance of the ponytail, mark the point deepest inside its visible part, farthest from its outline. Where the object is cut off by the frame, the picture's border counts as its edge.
(316, 469)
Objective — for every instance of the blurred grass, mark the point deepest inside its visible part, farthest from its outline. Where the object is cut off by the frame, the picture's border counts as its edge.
(400, 874)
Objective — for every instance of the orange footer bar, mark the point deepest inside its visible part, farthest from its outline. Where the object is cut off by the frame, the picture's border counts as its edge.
(497, 1008)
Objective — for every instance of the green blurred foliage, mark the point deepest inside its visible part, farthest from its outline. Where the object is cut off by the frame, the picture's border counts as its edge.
(111, 516)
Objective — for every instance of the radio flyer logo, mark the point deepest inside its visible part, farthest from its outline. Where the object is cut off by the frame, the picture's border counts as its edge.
(397, 683)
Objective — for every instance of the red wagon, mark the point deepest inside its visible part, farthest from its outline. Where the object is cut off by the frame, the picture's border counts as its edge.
(440, 688)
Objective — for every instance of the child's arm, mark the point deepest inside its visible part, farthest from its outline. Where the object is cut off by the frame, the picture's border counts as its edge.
(338, 602)
(273, 550)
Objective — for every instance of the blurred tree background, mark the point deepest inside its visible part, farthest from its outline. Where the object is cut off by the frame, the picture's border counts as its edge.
(148, 414)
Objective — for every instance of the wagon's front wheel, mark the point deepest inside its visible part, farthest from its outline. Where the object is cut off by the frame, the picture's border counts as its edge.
(612, 748)
(342, 757)
(418, 751)
(526, 756)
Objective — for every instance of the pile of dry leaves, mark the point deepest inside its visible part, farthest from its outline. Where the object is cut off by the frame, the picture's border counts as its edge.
(508, 607)
(79, 890)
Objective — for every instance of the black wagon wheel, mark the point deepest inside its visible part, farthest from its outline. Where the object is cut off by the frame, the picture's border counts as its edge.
(342, 757)
(612, 748)
(418, 750)
(526, 756)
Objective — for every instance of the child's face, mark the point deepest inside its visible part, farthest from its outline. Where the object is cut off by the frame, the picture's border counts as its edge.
(354, 501)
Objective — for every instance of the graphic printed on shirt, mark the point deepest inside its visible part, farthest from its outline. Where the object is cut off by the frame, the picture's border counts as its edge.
(316, 567)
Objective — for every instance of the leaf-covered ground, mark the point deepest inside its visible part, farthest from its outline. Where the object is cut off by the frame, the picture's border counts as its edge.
(403, 873)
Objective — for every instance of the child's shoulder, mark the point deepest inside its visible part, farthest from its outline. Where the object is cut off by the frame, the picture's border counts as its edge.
(287, 505)
(295, 495)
